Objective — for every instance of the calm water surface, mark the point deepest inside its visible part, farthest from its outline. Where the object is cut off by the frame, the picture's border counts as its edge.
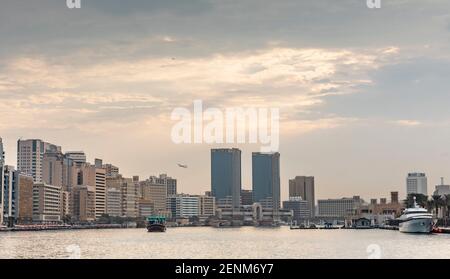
(230, 243)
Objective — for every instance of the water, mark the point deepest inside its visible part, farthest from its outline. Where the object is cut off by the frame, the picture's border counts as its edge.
(230, 243)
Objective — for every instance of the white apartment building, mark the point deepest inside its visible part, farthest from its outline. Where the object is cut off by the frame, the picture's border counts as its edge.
(416, 183)
(30, 155)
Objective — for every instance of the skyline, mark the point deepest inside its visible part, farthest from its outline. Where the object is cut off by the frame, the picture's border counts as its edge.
(362, 93)
(283, 196)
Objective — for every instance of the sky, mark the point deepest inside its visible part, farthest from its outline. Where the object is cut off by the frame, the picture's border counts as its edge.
(363, 93)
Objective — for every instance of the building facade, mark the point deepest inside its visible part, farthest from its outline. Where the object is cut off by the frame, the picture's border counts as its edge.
(266, 179)
(226, 176)
(47, 203)
(303, 186)
(156, 193)
(337, 208)
(416, 183)
(30, 156)
(299, 207)
(114, 202)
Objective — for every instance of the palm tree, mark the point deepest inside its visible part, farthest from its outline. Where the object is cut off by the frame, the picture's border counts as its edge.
(436, 201)
(420, 200)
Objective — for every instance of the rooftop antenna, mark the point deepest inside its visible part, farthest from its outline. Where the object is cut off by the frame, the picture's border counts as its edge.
(442, 181)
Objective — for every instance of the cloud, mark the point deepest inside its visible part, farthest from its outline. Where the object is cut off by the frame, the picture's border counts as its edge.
(407, 123)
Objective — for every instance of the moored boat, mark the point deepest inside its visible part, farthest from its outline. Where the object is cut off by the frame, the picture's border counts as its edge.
(416, 220)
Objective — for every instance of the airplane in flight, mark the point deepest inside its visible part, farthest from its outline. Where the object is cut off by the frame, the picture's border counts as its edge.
(182, 166)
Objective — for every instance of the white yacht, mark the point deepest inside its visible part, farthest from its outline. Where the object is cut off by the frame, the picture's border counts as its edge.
(416, 220)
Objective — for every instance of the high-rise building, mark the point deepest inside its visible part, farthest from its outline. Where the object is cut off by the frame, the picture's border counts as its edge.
(128, 194)
(156, 193)
(246, 197)
(171, 183)
(90, 175)
(266, 179)
(59, 170)
(78, 157)
(183, 206)
(299, 207)
(30, 155)
(47, 201)
(226, 176)
(24, 197)
(111, 170)
(303, 186)
(416, 183)
(83, 203)
(8, 195)
(114, 202)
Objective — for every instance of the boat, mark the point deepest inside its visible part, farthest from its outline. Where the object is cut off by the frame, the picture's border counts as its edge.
(416, 220)
(156, 224)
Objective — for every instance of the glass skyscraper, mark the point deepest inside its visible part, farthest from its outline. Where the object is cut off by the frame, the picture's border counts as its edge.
(266, 179)
(226, 176)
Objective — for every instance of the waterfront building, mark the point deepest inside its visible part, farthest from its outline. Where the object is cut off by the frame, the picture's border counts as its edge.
(299, 207)
(246, 197)
(156, 192)
(128, 193)
(30, 155)
(78, 157)
(8, 195)
(337, 208)
(24, 198)
(266, 179)
(226, 176)
(303, 186)
(83, 203)
(146, 208)
(91, 175)
(207, 206)
(378, 213)
(47, 201)
(416, 183)
(183, 206)
(442, 189)
(114, 202)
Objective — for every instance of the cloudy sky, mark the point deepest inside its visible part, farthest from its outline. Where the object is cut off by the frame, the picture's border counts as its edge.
(363, 93)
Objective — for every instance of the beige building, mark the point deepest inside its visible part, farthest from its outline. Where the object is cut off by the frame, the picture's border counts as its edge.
(83, 203)
(30, 156)
(25, 199)
(114, 202)
(46, 203)
(303, 186)
(156, 193)
(128, 193)
(94, 177)
(207, 206)
(146, 208)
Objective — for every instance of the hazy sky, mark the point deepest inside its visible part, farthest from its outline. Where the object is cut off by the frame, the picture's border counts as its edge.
(363, 93)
